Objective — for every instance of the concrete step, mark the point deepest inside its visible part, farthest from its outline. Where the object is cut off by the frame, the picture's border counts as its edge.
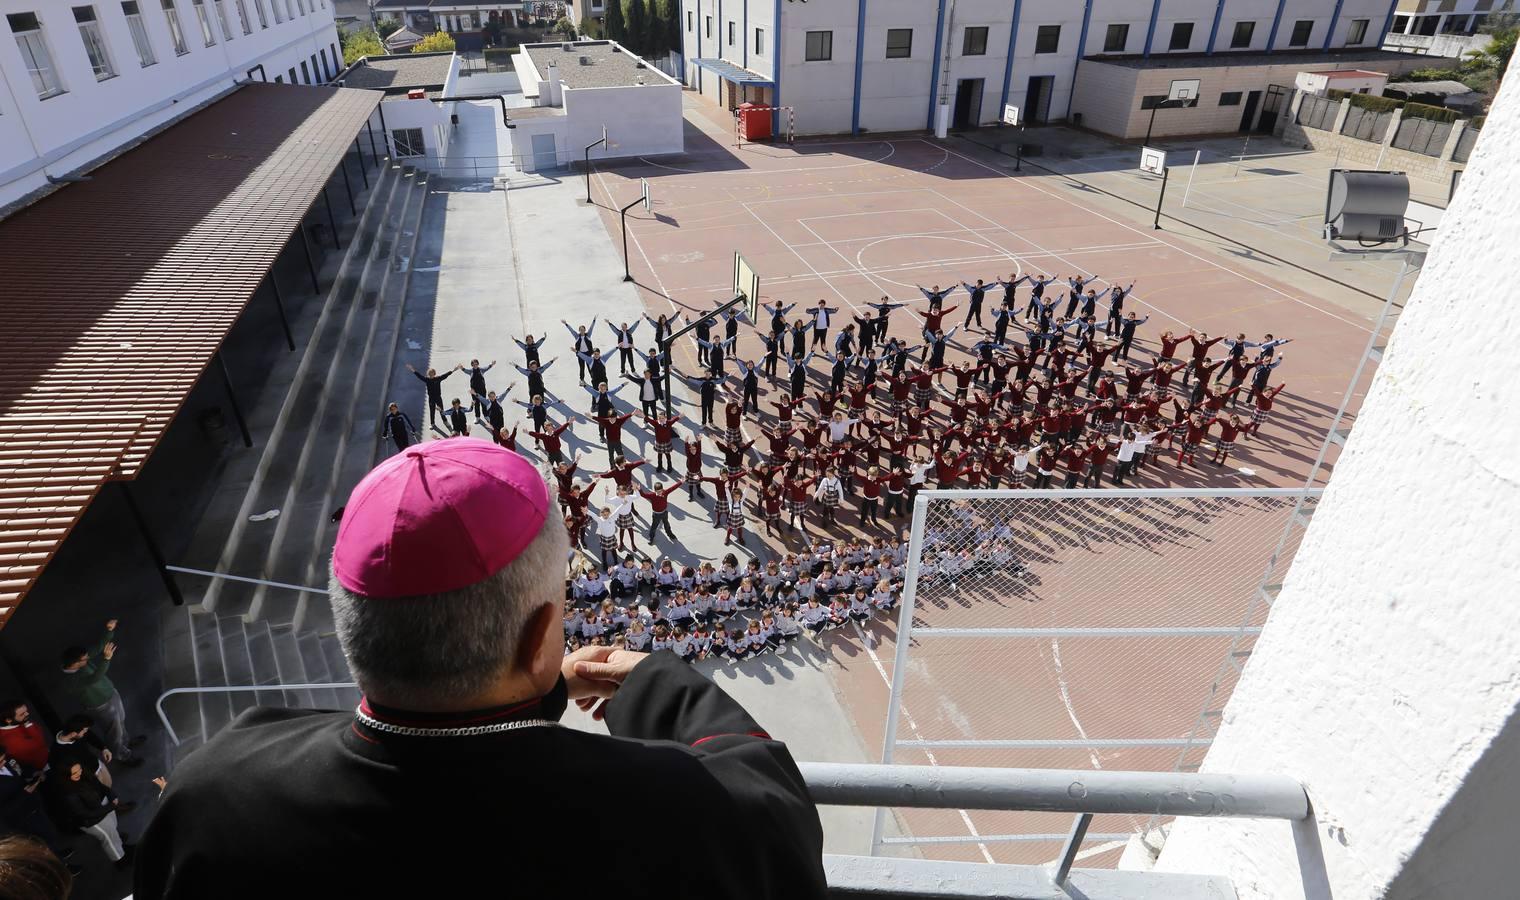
(266, 670)
(337, 666)
(237, 662)
(301, 537)
(315, 664)
(287, 655)
(242, 552)
(206, 637)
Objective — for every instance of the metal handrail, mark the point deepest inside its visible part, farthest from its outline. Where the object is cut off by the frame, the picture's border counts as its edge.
(163, 718)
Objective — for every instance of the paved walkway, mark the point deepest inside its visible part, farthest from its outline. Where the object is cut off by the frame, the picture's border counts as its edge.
(517, 262)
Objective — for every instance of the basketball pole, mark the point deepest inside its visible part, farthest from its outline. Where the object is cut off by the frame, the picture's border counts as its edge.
(1165, 171)
(623, 217)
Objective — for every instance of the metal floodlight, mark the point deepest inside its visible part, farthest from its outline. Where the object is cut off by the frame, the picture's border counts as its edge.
(1366, 206)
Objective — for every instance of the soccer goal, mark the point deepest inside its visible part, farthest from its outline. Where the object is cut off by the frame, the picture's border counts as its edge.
(769, 124)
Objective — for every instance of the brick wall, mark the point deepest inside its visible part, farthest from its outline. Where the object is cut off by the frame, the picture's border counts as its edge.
(1355, 153)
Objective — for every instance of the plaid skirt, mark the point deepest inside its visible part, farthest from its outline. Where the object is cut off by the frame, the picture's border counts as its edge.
(1179, 430)
(922, 396)
(830, 498)
(693, 479)
(1189, 447)
(796, 507)
(609, 542)
(735, 516)
(1259, 416)
(773, 518)
(732, 437)
(1225, 446)
(1105, 428)
(734, 470)
(897, 407)
(625, 520)
(1018, 476)
(662, 448)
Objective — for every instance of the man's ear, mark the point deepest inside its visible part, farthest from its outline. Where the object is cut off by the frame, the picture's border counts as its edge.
(539, 636)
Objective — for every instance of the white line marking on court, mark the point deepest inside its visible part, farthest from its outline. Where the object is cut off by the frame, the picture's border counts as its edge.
(767, 227)
(913, 726)
(861, 266)
(891, 150)
(1071, 711)
(1128, 227)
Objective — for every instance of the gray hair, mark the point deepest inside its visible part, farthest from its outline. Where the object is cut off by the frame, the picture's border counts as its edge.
(413, 651)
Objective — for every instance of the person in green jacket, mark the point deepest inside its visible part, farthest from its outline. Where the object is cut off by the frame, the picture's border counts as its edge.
(85, 682)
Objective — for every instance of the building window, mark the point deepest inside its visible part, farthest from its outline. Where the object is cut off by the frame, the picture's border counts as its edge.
(408, 142)
(305, 73)
(279, 79)
(293, 75)
(258, 7)
(243, 20)
(278, 19)
(1151, 101)
(34, 54)
(1241, 39)
(732, 34)
(707, 26)
(200, 14)
(899, 43)
(176, 33)
(1301, 31)
(326, 75)
(820, 46)
(974, 41)
(1229, 98)
(94, 43)
(290, 9)
(1358, 31)
(139, 33)
(221, 14)
(759, 41)
(1116, 38)
(1182, 36)
(689, 15)
(1047, 39)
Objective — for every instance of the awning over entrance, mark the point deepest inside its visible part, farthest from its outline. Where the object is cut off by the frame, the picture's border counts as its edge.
(119, 290)
(730, 72)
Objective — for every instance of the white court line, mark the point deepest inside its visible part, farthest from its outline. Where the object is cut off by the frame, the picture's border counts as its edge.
(1071, 711)
(800, 257)
(891, 150)
(1128, 227)
(873, 212)
(913, 726)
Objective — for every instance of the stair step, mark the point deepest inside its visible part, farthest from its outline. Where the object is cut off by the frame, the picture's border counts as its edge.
(287, 654)
(337, 666)
(266, 669)
(215, 708)
(237, 662)
(315, 663)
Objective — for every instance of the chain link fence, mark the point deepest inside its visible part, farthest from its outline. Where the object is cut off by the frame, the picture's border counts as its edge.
(1082, 629)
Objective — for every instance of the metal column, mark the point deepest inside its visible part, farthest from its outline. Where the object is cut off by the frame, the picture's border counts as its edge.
(347, 188)
(237, 411)
(279, 304)
(311, 265)
(158, 557)
(363, 169)
(332, 221)
(374, 154)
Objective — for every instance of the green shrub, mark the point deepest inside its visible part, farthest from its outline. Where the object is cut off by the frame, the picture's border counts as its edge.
(1434, 113)
(1366, 101)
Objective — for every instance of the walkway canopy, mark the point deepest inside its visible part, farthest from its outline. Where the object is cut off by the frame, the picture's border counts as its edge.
(116, 292)
(730, 72)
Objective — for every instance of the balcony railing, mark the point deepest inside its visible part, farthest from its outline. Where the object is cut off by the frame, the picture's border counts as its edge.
(1080, 792)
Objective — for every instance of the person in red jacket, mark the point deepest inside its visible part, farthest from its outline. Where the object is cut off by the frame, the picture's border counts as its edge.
(692, 448)
(770, 504)
(798, 493)
(1045, 464)
(1074, 461)
(659, 507)
(870, 496)
(1197, 430)
(1263, 408)
(664, 428)
(612, 432)
(1229, 429)
(621, 471)
(550, 440)
(1098, 452)
(21, 738)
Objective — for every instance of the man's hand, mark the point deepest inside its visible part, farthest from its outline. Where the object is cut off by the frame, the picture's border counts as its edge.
(593, 675)
(109, 650)
(105, 756)
(110, 624)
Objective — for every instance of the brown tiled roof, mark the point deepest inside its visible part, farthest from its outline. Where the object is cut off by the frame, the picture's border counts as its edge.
(119, 290)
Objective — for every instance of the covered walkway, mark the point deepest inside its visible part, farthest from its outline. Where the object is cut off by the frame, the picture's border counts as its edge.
(120, 290)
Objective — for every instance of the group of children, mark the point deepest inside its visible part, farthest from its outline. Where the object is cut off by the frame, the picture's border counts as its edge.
(732, 611)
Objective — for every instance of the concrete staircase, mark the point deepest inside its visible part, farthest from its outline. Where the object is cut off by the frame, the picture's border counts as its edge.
(322, 442)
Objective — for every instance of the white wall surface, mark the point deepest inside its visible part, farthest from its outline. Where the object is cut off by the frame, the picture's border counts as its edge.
(1387, 678)
(93, 118)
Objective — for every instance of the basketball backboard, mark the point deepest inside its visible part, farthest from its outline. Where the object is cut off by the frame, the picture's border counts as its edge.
(1152, 160)
(1010, 115)
(746, 282)
(1184, 92)
(644, 185)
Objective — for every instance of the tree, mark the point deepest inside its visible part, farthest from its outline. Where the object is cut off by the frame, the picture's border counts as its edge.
(437, 42)
(634, 27)
(387, 27)
(672, 26)
(656, 44)
(1496, 55)
(565, 27)
(613, 24)
(359, 44)
(591, 29)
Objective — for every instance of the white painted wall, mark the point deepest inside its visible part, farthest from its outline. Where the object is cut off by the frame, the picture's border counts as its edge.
(1387, 678)
(1318, 82)
(896, 94)
(93, 118)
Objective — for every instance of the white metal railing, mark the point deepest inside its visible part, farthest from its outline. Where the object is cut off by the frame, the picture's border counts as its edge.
(163, 717)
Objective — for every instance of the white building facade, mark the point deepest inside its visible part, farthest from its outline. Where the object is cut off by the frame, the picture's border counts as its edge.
(884, 65)
(84, 79)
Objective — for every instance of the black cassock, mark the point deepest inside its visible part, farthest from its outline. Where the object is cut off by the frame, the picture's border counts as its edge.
(687, 798)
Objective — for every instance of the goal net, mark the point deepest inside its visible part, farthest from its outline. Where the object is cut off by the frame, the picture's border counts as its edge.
(777, 123)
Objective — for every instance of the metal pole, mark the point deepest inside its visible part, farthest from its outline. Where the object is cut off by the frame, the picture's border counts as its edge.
(332, 221)
(1242, 158)
(1165, 171)
(311, 266)
(373, 153)
(363, 169)
(347, 188)
(1018, 152)
(237, 412)
(663, 348)
(900, 655)
(158, 558)
(588, 165)
(279, 304)
(1197, 154)
(1148, 128)
(623, 217)
(1069, 852)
